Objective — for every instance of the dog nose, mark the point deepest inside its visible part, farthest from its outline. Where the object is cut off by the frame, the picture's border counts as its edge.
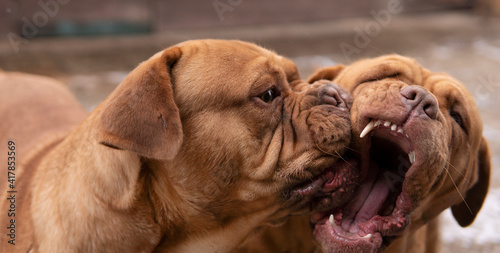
(332, 94)
(420, 101)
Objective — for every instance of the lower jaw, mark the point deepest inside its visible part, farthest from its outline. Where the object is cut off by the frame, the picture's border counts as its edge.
(371, 236)
(333, 240)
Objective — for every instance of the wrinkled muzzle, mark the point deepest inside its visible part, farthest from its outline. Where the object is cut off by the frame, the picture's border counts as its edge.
(319, 115)
(317, 133)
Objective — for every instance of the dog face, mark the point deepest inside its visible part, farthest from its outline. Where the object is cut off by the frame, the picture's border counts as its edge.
(225, 131)
(421, 150)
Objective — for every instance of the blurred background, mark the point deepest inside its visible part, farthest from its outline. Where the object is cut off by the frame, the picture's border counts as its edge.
(91, 45)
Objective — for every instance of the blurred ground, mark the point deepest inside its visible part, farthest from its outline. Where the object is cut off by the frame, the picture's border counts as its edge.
(459, 43)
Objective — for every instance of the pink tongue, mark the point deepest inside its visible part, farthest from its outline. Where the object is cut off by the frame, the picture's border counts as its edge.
(374, 202)
(369, 199)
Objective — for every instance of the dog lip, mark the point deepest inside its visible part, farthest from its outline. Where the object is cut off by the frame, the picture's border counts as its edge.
(308, 189)
(332, 237)
(340, 184)
(331, 188)
(372, 235)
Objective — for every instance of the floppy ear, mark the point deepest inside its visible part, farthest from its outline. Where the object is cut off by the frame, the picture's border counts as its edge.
(475, 196)
(328, 73)
(141, 115)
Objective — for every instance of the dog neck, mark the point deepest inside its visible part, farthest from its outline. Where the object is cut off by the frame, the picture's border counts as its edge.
(186, 225)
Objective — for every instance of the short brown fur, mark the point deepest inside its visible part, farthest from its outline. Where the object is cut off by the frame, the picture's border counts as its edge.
(188, 154)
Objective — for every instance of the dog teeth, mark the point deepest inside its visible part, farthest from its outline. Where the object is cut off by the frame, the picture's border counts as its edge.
(368, 236)
(375, 123)
(331, 220)
(367, 129)
(411, 156)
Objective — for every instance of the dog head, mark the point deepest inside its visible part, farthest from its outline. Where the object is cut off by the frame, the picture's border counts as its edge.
(421, 150)
(227, 131)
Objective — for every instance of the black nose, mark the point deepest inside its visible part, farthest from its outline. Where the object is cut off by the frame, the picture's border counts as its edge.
(420, 101)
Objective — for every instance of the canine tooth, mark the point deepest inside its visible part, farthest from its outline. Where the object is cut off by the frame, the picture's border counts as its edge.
(331, 220)
(377, 123)
(367, 129)
(387, 123)
(393, 127)
(368, 236)
(400, 130)
(411, 156)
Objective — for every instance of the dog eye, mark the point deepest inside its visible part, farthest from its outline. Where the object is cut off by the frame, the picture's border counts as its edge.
(457, 118)
(269, 96)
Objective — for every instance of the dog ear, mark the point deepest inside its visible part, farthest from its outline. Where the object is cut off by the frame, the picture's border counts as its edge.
(465, 212)
(328, 73)
(141, 114)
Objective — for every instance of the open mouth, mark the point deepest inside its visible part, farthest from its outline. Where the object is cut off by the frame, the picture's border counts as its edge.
(380, 208)
(331, 188)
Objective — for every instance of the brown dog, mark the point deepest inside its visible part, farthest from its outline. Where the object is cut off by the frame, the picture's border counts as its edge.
(418, 138)
(199, 146)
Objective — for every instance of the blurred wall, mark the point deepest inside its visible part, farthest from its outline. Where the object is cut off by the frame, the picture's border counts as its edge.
(30, 18)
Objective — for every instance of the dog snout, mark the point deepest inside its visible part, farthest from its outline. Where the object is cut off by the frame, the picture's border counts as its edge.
(420, 101)
(332, 94)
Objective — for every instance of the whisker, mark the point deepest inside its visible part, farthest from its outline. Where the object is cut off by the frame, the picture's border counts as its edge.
(340, 156)
(350, 165)
(353, 150)
(457, 170)
(324, 151)
(336, 154)
(456, 187)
